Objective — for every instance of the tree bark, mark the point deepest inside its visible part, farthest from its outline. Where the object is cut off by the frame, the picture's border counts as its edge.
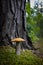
(13, 21)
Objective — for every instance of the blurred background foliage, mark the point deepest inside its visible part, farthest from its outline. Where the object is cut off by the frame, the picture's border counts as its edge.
(34, 21)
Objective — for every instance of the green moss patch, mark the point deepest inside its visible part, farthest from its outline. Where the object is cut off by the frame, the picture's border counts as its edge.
(8, 57)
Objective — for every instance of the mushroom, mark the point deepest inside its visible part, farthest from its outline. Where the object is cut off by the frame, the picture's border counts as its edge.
(18, 47)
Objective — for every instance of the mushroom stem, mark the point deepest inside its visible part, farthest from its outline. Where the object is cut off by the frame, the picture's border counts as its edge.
(18, 48)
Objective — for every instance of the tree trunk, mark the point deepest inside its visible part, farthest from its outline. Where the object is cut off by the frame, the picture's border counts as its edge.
(13, 21)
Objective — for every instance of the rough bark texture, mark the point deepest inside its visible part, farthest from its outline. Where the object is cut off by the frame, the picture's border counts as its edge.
(13, 21)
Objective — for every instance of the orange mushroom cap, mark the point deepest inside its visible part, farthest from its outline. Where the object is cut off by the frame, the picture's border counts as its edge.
(17, 40)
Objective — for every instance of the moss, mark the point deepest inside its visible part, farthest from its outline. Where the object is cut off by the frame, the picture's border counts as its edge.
(8, 57)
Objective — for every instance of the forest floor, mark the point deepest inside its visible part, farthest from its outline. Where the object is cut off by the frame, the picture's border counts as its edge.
(39, 46)
(9, 57)
(27, 57)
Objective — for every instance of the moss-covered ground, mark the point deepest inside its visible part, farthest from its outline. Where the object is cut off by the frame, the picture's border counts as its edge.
(8, 57)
